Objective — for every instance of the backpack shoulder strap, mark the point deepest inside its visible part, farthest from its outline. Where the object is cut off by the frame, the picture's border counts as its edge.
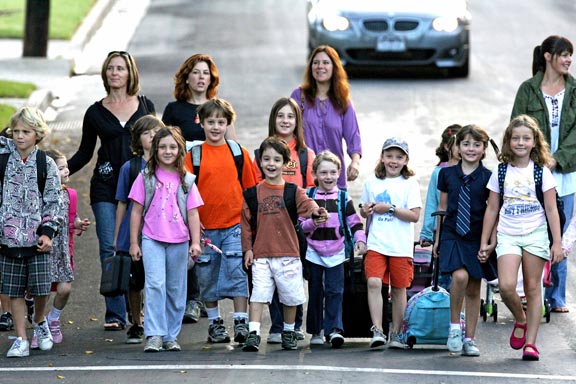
(342, 203)
(538, 183)
(502, 168)
(182, 195)
(290, 201)
(196, 154)
(41, 170)
(238, 155)
(150, 189)
(251, 197)
(135, 164)
(257, 158)
(303, 159)
(311, 192)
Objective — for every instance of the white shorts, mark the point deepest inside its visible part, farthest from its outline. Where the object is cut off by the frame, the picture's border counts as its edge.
(282, 273)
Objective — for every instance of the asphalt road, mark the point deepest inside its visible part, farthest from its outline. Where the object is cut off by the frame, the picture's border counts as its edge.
(260, 49)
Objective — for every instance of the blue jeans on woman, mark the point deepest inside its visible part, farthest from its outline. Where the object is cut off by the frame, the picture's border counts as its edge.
(105, 216)
(556, 294)
(325, 295)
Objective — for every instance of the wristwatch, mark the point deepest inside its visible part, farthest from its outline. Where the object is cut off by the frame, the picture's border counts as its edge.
(392, 209)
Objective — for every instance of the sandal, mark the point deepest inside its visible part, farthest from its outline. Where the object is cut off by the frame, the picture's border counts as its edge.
(533, 355)
(113, 326)
(518, 342)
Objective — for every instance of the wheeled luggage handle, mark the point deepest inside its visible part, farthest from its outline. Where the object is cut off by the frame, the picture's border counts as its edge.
(436, 269)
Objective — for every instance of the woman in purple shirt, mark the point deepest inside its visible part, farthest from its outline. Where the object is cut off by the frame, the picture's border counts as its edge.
(328, 113)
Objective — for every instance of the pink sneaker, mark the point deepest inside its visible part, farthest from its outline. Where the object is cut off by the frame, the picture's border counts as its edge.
(34, 343)
(55, 331)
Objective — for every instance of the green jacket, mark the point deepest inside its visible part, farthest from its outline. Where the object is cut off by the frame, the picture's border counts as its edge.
(530, 101)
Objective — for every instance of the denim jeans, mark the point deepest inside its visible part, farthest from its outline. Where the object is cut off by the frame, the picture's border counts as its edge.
(556, 294)
(166, 267)
(105, 216)
(325, 295)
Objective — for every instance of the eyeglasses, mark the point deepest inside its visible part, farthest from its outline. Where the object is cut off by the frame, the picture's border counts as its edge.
(118, 53)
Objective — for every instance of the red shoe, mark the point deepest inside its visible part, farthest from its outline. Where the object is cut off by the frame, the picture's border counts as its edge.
(532, 355)
(518, 342)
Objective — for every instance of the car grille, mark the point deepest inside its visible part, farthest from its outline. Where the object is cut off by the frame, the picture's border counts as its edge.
(409, 55)
(384, 25)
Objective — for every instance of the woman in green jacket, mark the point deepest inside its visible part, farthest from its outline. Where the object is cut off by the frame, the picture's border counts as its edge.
(550, 97)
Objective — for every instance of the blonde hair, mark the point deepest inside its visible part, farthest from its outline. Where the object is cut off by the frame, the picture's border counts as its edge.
(133, 85)
(33, 119)
(326, 156)
(540, 153)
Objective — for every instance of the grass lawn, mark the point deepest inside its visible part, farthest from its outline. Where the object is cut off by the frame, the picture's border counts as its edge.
(6, 111)
(65, 17)
(15, 89)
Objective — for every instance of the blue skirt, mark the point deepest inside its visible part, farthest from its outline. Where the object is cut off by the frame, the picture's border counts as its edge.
(459, 253)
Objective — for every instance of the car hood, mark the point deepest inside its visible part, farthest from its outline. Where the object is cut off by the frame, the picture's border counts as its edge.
(353, 8)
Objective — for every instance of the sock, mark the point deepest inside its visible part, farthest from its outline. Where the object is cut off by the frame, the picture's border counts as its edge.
(254, 326)
(213, 314)
(289, 327)
(456, 326)
(467, 339)
(54, 314)
(240, 316)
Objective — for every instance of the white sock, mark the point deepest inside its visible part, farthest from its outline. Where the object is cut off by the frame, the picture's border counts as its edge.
(254, 326)
(289, 327)
(467, 339)
(457, 326)
(54, 314)
(213, 314)
(240, 316)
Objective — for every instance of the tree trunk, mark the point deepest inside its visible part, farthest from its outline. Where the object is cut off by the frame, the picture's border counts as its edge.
(36, 28)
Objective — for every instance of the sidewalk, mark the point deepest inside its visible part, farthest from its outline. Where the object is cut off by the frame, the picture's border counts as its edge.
(109, 26)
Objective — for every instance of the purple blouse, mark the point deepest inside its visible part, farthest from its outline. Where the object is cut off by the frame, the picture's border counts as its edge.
(324, 129)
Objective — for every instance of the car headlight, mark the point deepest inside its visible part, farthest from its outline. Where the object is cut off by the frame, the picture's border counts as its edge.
(335, 23)
(445, 24)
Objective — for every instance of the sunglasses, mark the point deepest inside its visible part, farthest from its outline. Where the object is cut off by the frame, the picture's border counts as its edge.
(118, 53)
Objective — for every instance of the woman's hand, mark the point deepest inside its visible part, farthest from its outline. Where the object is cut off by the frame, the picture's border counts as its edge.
(552, 164)
(353, 170)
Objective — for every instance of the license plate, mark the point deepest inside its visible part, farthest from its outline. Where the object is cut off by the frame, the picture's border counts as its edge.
(390, 44)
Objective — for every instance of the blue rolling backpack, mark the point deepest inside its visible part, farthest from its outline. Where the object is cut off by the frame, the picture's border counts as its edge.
(427, 313)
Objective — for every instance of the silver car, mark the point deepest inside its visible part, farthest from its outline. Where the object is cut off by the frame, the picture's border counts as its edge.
(394, 33)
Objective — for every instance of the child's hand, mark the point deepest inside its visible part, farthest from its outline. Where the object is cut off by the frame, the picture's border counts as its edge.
(361, 247)
(435, 249)
(81, 225)
(44, 244)
(368, 208)
(556, 254)
(193, 252)
(320, 216)
(135, 252)
(425, 242)
(484, 252)
(248, 259)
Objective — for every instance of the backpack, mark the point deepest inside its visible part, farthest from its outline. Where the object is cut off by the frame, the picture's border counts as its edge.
(41, 169)
(503, 167)
(302, 158)
(135, 164)
(182, 192)
(289, 196)
(235, 148)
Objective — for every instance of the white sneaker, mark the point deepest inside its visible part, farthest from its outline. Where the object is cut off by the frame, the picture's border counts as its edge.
(317, 339)
(454, 343)
(469, 348)
(44, 336)
(20, 348)
(378, 338)
(396, 341)
(274, 338)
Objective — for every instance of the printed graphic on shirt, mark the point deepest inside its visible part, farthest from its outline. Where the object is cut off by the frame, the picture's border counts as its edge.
(520, 197)
(290, 168)
(384, 197)
(171, 190)
(271, 205)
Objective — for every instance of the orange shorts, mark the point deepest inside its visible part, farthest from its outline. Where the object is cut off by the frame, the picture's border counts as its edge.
(397, 272)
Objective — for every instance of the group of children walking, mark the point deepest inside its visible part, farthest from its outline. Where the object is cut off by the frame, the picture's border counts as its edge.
(180, 201)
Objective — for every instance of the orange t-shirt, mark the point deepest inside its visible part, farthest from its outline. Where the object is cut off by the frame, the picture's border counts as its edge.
(219, 187)
(291, 171)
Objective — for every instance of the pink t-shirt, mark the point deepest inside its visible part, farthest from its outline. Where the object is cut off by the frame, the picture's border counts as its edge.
(163, 221)
(521, 212)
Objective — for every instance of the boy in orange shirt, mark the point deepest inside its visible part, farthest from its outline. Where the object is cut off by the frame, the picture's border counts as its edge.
(223, 169)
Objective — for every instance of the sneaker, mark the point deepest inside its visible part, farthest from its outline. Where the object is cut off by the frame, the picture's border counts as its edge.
(54, 327)
(153, 344)
(6, 322)
(274, 338)
(299, 334)
(217, 332)
(289, 340)
(396, 341)
(469, 348)
(20, 348)
(454, 343)
(202, 307)
(378, 338)
(252, 343)
(135, 335)
(29, 308)
(171, 346)
(336, 339)
(44, 337)
(317, 339)
(192, 312)
(240, 331)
